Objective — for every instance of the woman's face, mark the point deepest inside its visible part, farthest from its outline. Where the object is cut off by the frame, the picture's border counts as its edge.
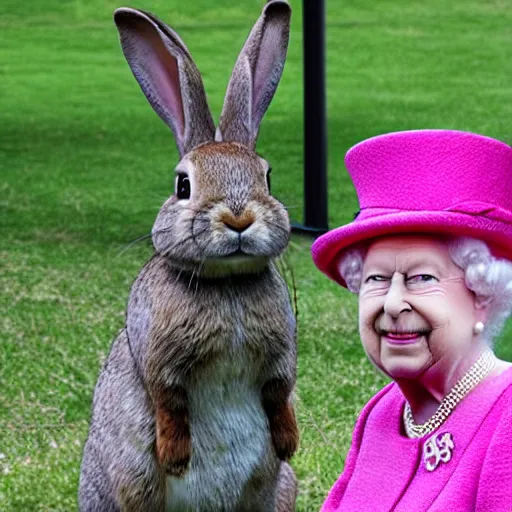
(415, 311)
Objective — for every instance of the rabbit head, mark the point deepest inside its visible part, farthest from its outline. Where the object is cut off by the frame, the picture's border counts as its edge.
(221, 218)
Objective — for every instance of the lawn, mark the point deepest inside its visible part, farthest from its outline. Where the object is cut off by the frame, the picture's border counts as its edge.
(86, 165)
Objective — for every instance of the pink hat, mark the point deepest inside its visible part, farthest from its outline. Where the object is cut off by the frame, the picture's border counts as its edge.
(426, 181)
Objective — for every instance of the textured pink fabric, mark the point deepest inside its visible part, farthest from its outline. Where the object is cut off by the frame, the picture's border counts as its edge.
(438, 181)
(384, 470)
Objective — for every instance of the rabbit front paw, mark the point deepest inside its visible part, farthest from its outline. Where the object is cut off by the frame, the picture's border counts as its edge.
(173, 444)
(174, 457)
(281, 417)
(285, 433)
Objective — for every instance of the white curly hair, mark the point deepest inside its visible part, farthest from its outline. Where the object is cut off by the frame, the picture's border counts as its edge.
(489, 278)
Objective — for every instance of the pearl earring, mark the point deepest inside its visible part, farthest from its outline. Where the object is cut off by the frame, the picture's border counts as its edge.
(479, 327)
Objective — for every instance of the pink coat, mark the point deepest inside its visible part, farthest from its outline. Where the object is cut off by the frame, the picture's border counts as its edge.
(384, 470)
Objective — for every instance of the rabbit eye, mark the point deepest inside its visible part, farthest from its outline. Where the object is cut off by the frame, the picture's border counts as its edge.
(183, 187)
(268, 178)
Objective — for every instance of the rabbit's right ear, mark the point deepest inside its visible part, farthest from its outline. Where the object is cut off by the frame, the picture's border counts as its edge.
(162, 65)
(256, 75)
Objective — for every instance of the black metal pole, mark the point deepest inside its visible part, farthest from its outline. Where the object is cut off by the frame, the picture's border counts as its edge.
(315, 131)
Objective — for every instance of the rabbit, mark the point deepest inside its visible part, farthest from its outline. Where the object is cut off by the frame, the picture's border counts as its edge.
(193, 409)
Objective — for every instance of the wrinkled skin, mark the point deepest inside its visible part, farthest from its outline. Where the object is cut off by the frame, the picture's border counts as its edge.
(416, 317)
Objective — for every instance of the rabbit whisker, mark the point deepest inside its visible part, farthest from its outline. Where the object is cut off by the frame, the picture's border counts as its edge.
(192, 231)
(163, 230)
(132, 243)
(178, 276)
(168, 250)
(288, 270)
(277, 227)
(199, 273)
(182, 241)
(191, 278)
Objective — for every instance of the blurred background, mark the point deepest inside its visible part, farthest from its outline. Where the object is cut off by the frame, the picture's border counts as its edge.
(86, 164)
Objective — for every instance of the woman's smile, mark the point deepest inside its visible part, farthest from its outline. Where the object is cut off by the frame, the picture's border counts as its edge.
(395, 338)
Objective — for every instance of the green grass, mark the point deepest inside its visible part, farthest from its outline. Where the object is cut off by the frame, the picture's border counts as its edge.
(86, 164)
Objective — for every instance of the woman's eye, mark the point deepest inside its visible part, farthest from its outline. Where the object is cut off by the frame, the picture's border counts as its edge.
(421, 278)
(183, 187)
(376, 279)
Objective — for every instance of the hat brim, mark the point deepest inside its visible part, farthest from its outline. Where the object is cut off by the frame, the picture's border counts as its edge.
(327, 248)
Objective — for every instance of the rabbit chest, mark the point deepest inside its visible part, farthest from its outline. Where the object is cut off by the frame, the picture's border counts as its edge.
(221, 346)
(231, 442)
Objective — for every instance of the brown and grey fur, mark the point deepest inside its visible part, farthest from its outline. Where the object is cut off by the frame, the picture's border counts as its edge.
(193, 407)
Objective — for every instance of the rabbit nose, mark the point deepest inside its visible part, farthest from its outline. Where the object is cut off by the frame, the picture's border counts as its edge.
(238, 223)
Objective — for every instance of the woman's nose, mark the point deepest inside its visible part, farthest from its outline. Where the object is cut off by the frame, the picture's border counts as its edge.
(395, 302)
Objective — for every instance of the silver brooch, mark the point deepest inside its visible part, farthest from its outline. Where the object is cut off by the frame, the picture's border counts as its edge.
(437, 449)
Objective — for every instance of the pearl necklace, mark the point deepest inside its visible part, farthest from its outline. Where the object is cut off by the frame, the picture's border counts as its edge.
(480, 369)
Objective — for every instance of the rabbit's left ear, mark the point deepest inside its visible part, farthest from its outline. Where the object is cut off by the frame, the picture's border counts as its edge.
(167, 75)
(255, 76)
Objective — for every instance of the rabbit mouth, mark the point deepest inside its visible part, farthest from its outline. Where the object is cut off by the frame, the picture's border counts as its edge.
(237, 262)
(237, 254)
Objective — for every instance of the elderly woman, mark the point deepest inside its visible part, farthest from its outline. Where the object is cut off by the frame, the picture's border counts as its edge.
(429, 257)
